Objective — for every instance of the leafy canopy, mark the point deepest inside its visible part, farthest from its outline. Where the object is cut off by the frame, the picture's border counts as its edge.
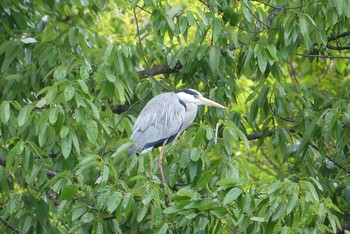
(75, 74)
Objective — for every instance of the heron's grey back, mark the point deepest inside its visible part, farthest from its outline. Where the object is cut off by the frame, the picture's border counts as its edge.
(160, 119)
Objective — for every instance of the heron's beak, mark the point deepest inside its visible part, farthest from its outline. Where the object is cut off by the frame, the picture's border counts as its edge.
(208, 102)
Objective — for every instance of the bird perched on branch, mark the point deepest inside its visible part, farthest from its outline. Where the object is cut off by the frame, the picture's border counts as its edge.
(163, 119)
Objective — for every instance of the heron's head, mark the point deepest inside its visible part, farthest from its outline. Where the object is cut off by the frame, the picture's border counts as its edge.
(195, 97)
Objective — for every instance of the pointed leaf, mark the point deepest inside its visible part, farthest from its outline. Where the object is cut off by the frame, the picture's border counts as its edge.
(91, 130)
(5, 112)
(232, 195)
(24, 115)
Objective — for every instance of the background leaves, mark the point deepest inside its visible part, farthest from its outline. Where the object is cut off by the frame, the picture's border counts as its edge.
(75, 74)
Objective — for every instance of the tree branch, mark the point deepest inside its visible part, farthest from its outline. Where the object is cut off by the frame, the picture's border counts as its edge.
(337, 47)
(160, 69)
(274, 13)
(7, 224)
(53, 197)
(258, 135)
(336, 37)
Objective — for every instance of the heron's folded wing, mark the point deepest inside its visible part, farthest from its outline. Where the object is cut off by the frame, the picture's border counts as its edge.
(160, 119)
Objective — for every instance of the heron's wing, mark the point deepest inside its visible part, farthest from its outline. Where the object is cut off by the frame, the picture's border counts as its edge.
(160, 119)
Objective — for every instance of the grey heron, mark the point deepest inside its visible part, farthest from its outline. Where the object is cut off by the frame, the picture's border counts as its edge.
(163, 119)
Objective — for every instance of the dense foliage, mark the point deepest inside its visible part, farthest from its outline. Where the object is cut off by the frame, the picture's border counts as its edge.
(75, 74)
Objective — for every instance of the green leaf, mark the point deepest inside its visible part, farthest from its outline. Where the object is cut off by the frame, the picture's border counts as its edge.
(120, 62)
(75, 141)
(262, 62)
(87, 217)
(141, 213)
(60, 72)
(28, 222)
(163, 229)
(66, 146)
(242, 137)
(291, 203)
(113, 201)
(183, 24)
(94, 109)
(204, 180)
(232, 195)
(16, 150)
(11, 53)
(253, 111)
(303, 24)
(83, 86)
(109, 54)
(209, 133)
(42, 138)
(91, 130)
(217, 29)
(78, 213)
(69, 192)
(79, 101)
(214, 58)
(53, 115)
(122, 149)
(105, 173)
(311, 191)
(41, 103)
(175, 11)
(64, 131)
(274, 187)
(84, 74)
(5, 112)
(24, 115)
(73, 36)
(68, 93)
(190, 18)
(262, 97)
(258, 219)
(195, 154)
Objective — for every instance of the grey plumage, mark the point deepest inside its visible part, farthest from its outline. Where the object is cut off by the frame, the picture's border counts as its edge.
(165, 117)
(157, 122)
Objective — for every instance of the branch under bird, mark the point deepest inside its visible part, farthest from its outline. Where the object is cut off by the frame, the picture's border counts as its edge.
(163, 119)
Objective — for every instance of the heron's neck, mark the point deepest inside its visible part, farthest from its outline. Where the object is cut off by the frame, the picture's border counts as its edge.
(190, 115)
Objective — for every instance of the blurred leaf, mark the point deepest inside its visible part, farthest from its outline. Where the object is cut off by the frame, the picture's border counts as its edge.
(24, 115)
(232, 195)
(69, 192)
(214, 58)
(66, 146)
(5, 112)
(91, 130)
(87, 217)
(291, 203)
(113, 201)
(68, 93)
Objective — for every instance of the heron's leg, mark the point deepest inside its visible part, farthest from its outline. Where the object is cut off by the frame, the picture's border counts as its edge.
(160, 165)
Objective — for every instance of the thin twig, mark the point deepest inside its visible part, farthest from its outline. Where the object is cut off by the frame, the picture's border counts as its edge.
(322, 56)
(256, 17)
(142, 8)
(287, 8)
